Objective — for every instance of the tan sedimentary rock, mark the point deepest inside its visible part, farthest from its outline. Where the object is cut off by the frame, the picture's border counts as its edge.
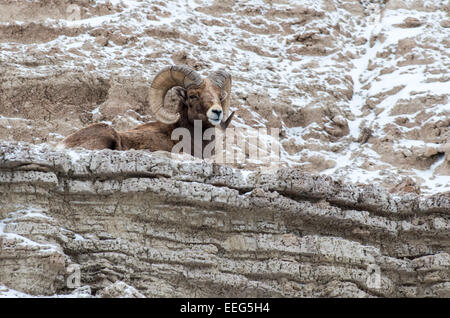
(358, 89)
(137, 223)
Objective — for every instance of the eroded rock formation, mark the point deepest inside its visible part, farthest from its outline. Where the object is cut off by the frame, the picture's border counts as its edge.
(359, 91)
(135, 223)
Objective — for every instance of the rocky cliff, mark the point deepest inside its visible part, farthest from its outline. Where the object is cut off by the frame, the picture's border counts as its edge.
(163, 227)
(359, 205)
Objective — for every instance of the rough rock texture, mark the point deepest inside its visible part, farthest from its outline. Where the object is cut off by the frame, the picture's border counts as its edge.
(135, 223)
(325, 72)
(359, 90)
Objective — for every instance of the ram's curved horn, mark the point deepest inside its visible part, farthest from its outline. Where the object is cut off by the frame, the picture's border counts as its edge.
(168, 77)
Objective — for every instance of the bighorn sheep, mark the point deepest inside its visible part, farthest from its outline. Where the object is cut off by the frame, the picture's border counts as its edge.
(207, 100)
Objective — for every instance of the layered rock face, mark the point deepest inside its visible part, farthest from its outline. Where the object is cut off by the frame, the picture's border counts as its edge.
(139, 224)
(358, 89)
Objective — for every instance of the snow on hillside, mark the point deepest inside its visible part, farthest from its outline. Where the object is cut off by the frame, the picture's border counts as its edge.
(358, 89)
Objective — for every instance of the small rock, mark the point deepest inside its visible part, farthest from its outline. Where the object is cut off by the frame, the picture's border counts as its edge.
(120, 290)
(101, 40)
(82, 292)
(407, 185)
(366, 133)
(445, 23)
(411, 22)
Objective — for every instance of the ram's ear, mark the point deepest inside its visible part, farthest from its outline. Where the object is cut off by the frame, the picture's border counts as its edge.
(181, 94)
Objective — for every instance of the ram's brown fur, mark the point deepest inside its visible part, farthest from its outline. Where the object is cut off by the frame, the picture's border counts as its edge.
(152, 136)
(158, 135)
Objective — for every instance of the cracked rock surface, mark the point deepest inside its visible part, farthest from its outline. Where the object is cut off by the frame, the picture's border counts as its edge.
(358, 207)
(139, 224)
(358, 88)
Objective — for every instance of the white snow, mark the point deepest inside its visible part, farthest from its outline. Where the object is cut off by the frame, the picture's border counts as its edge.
(224, 46)
(17, 215)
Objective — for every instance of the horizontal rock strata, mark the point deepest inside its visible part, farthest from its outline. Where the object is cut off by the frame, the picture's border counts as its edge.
(146, 224)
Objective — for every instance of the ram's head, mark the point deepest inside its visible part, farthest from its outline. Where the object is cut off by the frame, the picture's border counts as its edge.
(205, 99)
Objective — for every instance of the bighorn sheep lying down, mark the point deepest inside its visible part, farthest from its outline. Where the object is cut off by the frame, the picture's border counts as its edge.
(207, 100)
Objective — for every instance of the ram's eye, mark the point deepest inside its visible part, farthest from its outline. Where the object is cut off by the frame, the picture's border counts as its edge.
(193, 97)
(223, 96)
